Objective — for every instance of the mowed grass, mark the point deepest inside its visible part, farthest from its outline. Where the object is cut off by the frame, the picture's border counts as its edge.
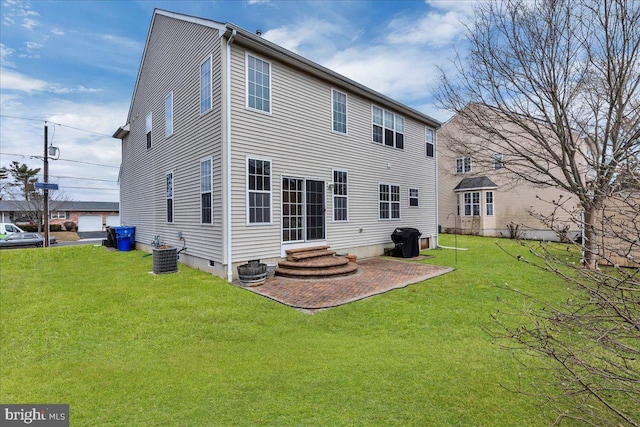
(94, 329)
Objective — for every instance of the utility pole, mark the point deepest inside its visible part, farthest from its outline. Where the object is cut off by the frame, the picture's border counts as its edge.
(45, 208)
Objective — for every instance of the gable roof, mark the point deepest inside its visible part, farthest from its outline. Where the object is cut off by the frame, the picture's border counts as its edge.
(55, 205)
(257, 43)
(475, 183)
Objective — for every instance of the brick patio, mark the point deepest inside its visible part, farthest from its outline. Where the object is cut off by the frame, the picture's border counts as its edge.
(375, 276)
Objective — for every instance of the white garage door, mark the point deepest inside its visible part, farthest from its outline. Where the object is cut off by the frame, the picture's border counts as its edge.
(90, 223)
(113, 220)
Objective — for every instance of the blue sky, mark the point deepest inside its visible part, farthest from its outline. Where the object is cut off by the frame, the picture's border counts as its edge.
(74, 63)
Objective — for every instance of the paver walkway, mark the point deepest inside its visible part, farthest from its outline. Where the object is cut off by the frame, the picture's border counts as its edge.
(375, 276)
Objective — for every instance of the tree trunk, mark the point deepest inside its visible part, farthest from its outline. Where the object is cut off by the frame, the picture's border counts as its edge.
(590, 243)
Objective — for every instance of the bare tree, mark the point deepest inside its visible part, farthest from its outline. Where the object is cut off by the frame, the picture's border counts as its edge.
(4, 183)
(554, 85)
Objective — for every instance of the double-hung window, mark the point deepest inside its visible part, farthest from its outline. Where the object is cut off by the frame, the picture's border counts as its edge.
(258, 84)
(489, 203)
(205, 86)
(472, 203)
(340, 196)
(430, 138)
(168, 115)
(169, 196)
(259, 191)
(339, 109)
(206, 191)
(147, 129)
(497, 161)
(389, 201)
(463, 165)
(413, 197)
(387, 128)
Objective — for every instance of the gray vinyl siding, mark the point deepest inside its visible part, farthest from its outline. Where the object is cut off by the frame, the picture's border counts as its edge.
(297, 137)
(172, 63)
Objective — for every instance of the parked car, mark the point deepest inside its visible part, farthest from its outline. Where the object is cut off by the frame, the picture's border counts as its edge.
(8, 228)
(25, 239)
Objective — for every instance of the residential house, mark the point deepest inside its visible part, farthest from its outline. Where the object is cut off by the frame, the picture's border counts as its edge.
(478, 195)
(238, 149)
(88, 216)
(619, 228)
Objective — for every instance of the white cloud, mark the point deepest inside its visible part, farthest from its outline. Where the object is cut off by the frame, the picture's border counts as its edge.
(398, 73)
(5, 52)
(464, 7)
(310, 37)
(14, 81)
(29, 23)
(57, 32)
(432, 29)
(11, 80)
(33, 45)
(23, 139)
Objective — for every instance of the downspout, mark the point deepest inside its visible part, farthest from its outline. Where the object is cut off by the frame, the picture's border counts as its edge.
(228, 119)
(435, 154)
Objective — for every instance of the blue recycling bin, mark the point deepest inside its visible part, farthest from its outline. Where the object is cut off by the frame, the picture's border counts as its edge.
(125, 237)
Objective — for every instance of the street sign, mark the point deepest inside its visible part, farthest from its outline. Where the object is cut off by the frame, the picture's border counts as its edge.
(46, 186)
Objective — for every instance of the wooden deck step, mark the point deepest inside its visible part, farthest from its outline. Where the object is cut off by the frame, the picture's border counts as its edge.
(311, 248)
(319, 262)
(317, 273)
(315, 262)
(298, 256)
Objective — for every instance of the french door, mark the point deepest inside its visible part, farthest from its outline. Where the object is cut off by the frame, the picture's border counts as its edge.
(303, 210)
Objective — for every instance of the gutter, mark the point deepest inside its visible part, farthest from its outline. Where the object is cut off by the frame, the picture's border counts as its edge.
(228, 120)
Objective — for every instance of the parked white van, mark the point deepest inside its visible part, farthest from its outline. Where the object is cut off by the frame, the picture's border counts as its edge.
(8, 228)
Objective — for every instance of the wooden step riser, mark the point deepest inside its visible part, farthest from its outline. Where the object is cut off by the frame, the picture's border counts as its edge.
(317, 272)
(309, 249)
(309, 255)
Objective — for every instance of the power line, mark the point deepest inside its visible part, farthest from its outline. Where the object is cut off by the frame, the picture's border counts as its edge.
(56, 124)
(63, 160)
(90, 188)
(87, 163)
(83, 179)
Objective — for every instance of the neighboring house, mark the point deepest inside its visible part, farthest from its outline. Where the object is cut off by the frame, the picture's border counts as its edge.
(481, 197)
(240, 149)
(88, 216)
(619, 229)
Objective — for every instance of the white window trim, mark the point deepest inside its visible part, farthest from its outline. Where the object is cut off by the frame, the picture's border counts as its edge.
(246, 84)
(167, 134)
(463, 161)
(399, 202)
(246, 164)
(346, 106)
(395, 120)
(493, 203)
(148, 130)
(409, 197)
(304, 211)
(200, 192)
(210, 60)
(333, 214)
(173, 197)
(464, 203)
(426, 142)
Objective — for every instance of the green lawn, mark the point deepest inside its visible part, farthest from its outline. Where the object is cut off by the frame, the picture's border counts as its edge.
(92, 328)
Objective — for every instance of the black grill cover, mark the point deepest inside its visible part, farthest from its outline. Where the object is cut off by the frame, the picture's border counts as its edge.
(407, 241)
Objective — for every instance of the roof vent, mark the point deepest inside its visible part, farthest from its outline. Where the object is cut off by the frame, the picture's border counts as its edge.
(259, 33)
